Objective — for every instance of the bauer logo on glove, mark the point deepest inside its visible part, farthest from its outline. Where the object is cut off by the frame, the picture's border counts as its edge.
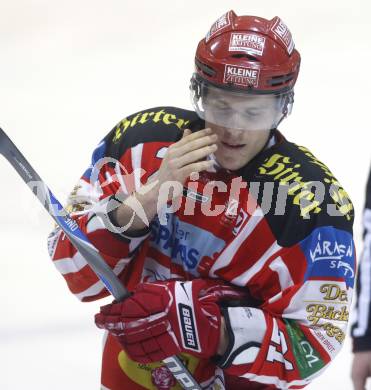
(166, 318)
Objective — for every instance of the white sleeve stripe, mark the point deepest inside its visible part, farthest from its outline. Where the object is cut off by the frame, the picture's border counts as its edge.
(70, 264)
(284, 277)
(246, 276)
(228, 254)
(97, 287)
(77, 262)
(273, 380)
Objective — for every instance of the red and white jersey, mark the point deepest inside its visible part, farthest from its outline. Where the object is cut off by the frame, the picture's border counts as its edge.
(280, 227)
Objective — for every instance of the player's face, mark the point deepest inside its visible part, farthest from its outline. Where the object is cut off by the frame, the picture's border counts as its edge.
(237, 147)
(243, 134)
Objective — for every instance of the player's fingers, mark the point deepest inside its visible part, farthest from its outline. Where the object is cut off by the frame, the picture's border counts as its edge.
(189, 136)
(196, 155)
(176, 151)
(192, 145)
(196, 167)
(197, 144)
(186, 132)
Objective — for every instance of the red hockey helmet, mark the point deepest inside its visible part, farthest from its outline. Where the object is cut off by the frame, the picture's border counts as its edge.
(246, 54)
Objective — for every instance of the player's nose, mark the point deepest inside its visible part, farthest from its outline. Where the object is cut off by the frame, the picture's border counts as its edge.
(233, 134)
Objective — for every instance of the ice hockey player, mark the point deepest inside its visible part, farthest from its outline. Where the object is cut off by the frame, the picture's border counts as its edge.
(361, 328)
(235, 243)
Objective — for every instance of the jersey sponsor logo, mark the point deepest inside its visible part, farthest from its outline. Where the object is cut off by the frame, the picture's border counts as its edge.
(332, 295)
(241, 218)
(162, 378)
(307, 195)
(332, 330)
(184, 243)
(186, 317)
(141, 118)
(231, 208)
(325, 342)
(249, 43)
(342, 204)
(284, 34)
(240, 75)
(223, 22)
(327, 312)
(330, 253)
(151, 375)
(175, 245)
(283, 169)
(318, 312)
(333, 292)
(308, 359)
(230, 212)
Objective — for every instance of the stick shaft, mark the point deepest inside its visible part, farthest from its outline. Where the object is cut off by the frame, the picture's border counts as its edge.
(81, 242)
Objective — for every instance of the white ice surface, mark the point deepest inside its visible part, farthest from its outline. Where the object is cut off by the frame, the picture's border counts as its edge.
(48, 339)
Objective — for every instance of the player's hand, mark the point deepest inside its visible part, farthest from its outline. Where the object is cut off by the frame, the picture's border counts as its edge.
(361, 369)
(188, 155)
(182, 158)
(165, 318)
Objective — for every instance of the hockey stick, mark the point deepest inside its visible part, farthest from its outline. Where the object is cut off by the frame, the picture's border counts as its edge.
(81, 243)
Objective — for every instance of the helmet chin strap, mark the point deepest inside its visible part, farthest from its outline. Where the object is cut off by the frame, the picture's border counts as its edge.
(288, 101)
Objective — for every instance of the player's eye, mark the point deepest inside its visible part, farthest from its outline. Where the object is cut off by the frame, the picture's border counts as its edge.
(252, 113)
(220, 105)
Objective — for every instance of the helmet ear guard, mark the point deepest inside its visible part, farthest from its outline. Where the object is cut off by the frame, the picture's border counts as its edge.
(286, 106)
(287, 103)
